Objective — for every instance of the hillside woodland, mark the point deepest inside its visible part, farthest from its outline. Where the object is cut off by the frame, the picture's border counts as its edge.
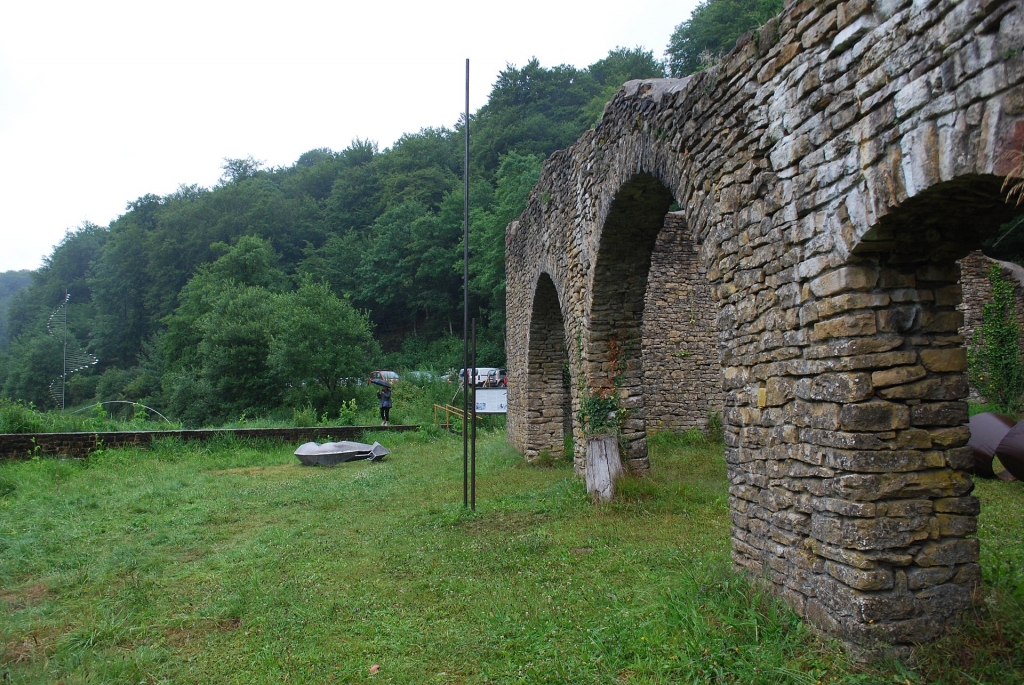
(273, 287)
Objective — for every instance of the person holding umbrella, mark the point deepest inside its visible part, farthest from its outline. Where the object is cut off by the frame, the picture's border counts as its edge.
(384, 395)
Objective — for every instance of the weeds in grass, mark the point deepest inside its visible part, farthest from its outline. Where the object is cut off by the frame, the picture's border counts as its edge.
(226, 561)
(16, 417)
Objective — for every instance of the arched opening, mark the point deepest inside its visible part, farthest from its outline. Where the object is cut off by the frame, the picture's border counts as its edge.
(614, 349)
(681, 364)
(548, 403)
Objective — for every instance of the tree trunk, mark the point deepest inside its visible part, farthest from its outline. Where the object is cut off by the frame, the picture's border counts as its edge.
(604, 465)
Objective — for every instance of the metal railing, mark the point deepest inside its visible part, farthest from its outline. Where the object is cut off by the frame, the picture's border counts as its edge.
(445, 415)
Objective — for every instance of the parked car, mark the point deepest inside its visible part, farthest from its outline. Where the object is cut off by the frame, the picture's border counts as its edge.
(481, 375)
(497, 378)
(420, 376)
(482, 372)
(379, 377)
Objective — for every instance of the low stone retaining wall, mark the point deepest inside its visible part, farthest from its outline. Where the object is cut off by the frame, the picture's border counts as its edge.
(15, 446)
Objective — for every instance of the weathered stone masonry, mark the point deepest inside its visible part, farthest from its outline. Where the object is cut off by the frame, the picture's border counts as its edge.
(682, 375)
(977, 290)
(829, 173)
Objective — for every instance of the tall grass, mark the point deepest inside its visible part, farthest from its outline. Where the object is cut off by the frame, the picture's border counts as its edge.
(17, 417)
(228, 562)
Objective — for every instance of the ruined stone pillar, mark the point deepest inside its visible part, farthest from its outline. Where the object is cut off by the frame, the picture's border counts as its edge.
(847, 461)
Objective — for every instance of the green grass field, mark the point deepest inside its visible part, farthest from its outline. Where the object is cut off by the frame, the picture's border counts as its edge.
(230, 563)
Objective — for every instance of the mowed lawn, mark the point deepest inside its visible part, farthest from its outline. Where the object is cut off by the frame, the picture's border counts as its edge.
(231, 563)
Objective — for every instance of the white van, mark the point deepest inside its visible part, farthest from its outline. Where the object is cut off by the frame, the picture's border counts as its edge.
(481, 374)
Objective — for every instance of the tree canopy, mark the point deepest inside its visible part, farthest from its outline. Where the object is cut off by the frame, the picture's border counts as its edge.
(268, 288)
(712, 30)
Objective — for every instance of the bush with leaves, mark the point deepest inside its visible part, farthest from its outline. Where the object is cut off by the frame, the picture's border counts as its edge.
(16, 417)
(993, 360)
(712, 31)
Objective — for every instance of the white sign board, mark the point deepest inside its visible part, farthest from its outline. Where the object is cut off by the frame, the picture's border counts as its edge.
(491, 400)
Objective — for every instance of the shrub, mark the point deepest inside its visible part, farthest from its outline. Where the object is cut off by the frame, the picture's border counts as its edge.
(347, 413)
(304, 417)
(715, 430)
(16, 417)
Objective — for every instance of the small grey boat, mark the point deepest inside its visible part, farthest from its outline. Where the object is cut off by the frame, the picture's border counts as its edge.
(334, 453)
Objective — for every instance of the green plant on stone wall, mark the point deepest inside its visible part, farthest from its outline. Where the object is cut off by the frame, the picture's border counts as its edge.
(600, 411)
(993, 360)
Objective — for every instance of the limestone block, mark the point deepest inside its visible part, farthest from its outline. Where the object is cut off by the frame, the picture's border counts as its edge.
(951, 525)
(871, 487)
(897, 319)
(844, 279)
(945, 359)
(835, 387)
(841, 303)
(961, 458)
(883, 461)
(897, 376)
(938, 414)
(845, 507)
(944, 388)
(849, 557)
(958, 505)
(914, 438)
(861, 579)
(950, 437)
(947, 552)
(849, 325)
(857, 346)
(813, 414)
(919, 578)
(874, 415)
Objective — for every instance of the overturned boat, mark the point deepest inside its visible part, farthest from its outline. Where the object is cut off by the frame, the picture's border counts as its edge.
(333, 453)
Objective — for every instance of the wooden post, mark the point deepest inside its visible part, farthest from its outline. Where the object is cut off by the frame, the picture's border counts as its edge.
(604, 465)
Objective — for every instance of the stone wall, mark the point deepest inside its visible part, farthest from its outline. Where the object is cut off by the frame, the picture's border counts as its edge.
(831, 169)
(978, 290)
(682, 372)
(15, 446)
(547, 336)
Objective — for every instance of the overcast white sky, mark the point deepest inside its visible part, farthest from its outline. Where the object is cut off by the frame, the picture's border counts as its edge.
(104, 101)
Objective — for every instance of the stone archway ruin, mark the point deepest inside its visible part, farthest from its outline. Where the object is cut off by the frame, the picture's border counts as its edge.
(829, 173)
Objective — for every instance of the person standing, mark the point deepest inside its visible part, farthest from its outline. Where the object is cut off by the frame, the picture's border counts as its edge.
(384, 395)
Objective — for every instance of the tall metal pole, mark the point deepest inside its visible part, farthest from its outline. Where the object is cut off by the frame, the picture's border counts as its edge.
(472, 456)
(465, 305)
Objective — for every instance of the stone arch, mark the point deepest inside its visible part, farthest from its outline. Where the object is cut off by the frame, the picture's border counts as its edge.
(857, 448)
(614, 361)
(651, 320)
(822, 168)
(681, 364)
(547, 400)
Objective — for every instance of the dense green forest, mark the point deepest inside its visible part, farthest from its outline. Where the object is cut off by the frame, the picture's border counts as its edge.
(270, 289)
(267, 289)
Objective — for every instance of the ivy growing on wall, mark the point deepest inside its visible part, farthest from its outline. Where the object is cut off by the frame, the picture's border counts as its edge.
(993, 360)
(600, 411)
